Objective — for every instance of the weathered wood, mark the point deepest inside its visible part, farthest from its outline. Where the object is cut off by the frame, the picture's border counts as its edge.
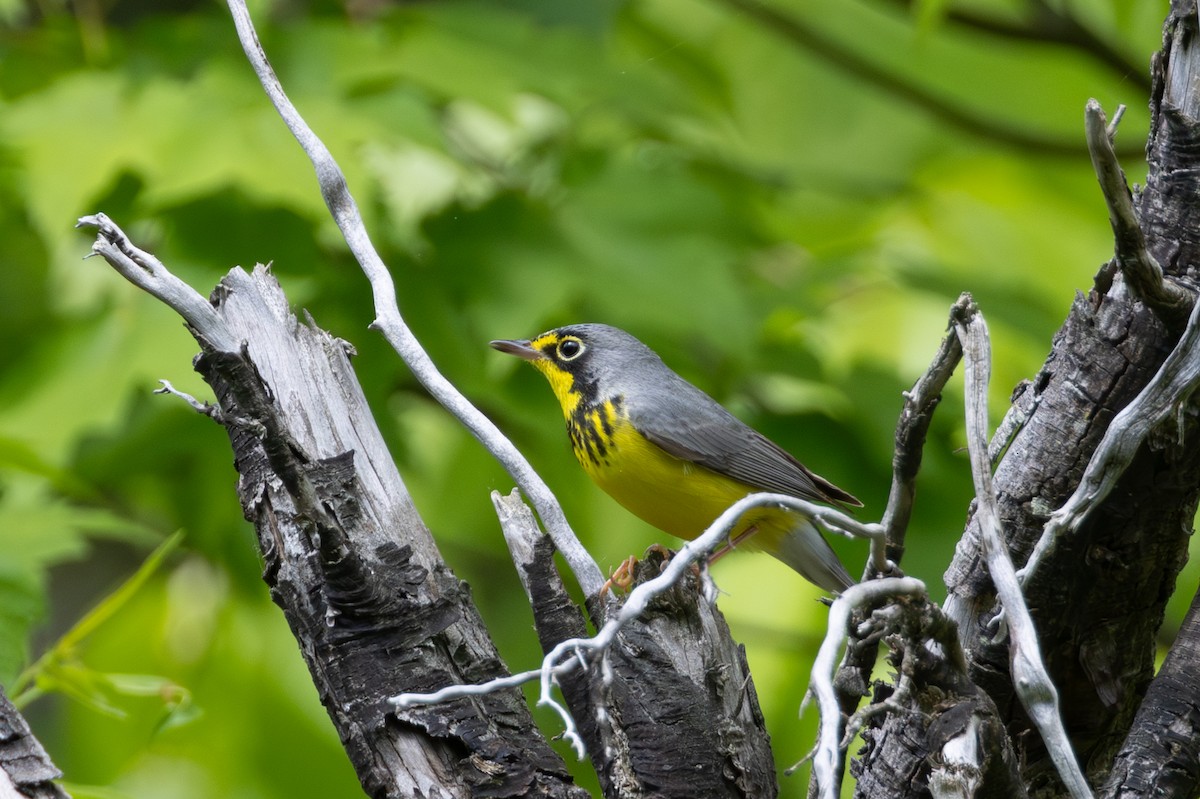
(24, 765)
(1161, 756)
(374, 608)
(674, 712)
(935, 726)
(1100, 598)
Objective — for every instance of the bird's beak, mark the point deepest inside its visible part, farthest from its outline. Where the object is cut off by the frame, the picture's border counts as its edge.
(519, 348)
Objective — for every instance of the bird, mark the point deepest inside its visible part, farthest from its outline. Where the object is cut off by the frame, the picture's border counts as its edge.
(674, 456)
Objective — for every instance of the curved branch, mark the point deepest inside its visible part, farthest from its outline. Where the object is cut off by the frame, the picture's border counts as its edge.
(827, 758)
(563, 658)
(1169, 301)
(148, 273)
(389, 321)
(1034, 686)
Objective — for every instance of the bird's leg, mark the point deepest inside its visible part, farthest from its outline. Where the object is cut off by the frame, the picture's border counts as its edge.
(732, 544)
(622, 576)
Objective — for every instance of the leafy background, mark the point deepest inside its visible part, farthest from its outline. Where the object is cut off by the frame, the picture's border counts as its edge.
(784, 204)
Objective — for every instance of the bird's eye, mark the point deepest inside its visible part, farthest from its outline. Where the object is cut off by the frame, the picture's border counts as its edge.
(569, 349)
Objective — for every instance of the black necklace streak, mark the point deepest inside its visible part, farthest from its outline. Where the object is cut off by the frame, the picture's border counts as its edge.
(591, 431)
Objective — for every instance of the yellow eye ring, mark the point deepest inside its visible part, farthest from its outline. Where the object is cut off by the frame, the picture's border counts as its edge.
(569, 349)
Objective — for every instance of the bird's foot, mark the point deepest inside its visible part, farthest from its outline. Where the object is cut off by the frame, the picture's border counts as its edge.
(732, 544)
(622, 576)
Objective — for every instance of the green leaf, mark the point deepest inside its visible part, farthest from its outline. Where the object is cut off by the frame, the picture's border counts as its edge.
(86, 686)
(58, 668)
(112, 603)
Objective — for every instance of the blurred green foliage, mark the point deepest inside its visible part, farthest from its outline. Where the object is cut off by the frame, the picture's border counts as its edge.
(784, 225)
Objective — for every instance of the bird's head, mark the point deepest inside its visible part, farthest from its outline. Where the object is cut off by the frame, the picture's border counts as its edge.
(585, 363)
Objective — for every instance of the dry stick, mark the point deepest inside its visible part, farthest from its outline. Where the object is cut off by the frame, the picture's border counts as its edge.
(389, 321)
(1033, 685)
(1175, 380)
(827, 757)
(575, 652)
(1168, 391)
(1169, 301)
(148, 273)
(911, 429)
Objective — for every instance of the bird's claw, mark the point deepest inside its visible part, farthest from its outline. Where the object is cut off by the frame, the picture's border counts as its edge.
(622, 576)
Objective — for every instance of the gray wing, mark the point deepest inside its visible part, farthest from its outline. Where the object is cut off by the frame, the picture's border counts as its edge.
(692, 426)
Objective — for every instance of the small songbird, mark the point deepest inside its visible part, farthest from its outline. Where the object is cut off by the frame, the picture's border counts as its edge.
(671, 454)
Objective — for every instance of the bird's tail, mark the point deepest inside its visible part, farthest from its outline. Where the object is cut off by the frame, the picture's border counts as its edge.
(803, 548)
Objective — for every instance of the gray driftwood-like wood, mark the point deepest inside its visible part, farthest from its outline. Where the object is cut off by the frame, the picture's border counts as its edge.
(680, 714)
(1099, 599)
(25, 766)
(346, 556)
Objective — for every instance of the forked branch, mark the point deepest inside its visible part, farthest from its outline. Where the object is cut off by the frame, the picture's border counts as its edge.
(1170, 301)
(1033, 684)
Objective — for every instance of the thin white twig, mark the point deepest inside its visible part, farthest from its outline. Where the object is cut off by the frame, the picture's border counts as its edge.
(574, 652)
(1170, 388)
(202, 408)
(1033, 685)
(391, 324)
(826, 758)
(403, 701)
(148, 273)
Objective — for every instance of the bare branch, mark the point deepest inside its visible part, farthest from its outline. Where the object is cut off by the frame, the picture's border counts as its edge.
(1170, 301)
(1169, 390)
(1034, 687)
(593, 652)
(919, 404)
(827, 757)
(389, 321)
(148, 273)
(854, 672)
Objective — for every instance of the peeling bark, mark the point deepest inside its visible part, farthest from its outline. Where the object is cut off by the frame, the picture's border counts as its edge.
(1099, 602)
(25, 768)
(374, 608)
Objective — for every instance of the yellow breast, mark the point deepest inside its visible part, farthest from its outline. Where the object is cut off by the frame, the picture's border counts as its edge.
(674, 495)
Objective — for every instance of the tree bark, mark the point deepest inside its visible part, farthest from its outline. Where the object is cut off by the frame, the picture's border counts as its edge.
(1161, 756)
(25, 768)
(359, 578)
(939, 733)
(681, 717)
(1099, 600)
